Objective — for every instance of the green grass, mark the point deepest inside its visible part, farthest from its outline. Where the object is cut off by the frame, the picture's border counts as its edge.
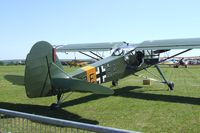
(133, 106)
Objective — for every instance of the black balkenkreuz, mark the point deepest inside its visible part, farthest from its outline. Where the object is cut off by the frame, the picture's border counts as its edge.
(101, 74)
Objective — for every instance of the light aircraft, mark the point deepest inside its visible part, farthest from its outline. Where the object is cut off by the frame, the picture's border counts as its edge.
(45, 76)
(181, 62)
(76, 63)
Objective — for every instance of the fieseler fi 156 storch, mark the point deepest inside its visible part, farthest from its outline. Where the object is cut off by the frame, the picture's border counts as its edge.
(45, 76)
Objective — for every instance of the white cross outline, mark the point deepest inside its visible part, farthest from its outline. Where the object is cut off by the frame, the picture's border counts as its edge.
(97, 72)
(98, 80)
(104, 76)
(103, 69)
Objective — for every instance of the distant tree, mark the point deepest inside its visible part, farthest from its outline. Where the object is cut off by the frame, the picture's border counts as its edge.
(1, 63)
(11, 63)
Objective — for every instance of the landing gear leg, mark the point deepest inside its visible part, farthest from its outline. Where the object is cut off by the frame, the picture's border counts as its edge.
(55, 106)
(169, 84)
(115, 82)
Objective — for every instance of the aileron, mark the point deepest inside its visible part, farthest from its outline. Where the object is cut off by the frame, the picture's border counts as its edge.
(170, 44)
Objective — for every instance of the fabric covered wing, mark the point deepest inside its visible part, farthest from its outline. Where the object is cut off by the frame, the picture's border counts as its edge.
(106, 46)
(192, 43)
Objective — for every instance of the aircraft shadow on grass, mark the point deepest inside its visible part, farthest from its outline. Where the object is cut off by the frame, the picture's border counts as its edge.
(45, 111)
(129, 92)
(126, 92)
(15, 79)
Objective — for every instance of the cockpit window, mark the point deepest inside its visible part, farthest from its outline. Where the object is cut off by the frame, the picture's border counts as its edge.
(118, 52)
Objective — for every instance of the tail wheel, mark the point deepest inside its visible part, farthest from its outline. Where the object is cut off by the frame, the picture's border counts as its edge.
(54, 106)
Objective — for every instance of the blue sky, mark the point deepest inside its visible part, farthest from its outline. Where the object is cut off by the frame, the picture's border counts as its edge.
(24, 22)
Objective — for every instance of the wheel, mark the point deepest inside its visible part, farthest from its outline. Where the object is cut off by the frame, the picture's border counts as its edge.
(114, 83)
(54, 106)
(171, 86)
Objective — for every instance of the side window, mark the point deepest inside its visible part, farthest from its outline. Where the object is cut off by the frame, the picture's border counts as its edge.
(118, 52)
(129, 58)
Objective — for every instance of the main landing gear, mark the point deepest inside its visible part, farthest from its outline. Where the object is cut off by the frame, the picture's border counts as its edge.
(114, 82)
(169, 84)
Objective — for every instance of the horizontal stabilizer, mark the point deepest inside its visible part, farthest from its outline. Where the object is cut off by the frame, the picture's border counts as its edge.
(80, 85)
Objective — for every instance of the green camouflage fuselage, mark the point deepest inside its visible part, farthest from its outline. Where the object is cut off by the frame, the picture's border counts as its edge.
(112, 68)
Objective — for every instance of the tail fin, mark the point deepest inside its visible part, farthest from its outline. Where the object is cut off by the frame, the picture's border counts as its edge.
(37, 77)
(44, 74)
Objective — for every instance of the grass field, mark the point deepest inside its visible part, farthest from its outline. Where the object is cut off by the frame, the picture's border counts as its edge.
(133, 106)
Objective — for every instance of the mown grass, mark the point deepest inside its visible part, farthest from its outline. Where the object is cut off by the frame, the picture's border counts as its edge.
(133, 106)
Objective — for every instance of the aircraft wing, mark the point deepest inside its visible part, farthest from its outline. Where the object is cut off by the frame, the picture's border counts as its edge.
(191, 43)
(106, 46)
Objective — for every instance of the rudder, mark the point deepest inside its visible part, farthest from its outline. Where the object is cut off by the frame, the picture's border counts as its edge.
(37, 71)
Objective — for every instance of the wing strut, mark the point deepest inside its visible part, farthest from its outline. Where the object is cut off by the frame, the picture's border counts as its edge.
(96, 55)
(175, 55)
(88, 55)
(169, 84)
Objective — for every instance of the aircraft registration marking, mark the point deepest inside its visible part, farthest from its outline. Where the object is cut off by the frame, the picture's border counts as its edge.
(95, 75)
(90, 73)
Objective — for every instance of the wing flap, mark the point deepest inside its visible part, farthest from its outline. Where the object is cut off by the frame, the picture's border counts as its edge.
(106, 46)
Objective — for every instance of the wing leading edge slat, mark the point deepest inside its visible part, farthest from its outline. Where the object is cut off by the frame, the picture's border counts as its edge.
(191, 43)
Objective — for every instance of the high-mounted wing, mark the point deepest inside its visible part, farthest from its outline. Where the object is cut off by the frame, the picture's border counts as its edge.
(106, 46)
(191, 43)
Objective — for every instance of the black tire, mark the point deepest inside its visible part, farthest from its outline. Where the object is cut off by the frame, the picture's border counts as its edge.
(114, 83)
(54, 106)
(171, 86)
